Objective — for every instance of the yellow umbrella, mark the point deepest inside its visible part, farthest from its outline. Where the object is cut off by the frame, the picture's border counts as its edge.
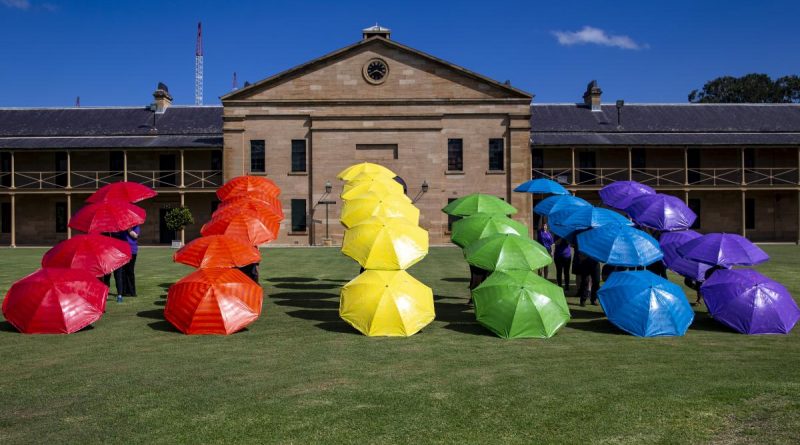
(386, 303)
(369, 204)
(365, 167)
(385, 243)
(380, 186)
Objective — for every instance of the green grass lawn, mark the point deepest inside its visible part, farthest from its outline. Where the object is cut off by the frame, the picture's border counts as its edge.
(301, 375)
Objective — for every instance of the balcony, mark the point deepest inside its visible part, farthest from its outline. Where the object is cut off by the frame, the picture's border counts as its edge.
(92, 180)
(674, 177)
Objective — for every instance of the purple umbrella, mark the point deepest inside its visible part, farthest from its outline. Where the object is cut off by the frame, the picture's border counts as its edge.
(749, 302)
(723, 249)
(620, 194)
(670, 241)
(661, 212)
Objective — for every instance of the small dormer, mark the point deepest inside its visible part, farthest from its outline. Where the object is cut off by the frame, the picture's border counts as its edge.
(376, 30)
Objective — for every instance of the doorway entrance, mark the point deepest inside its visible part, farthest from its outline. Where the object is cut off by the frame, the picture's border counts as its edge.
(165, 236)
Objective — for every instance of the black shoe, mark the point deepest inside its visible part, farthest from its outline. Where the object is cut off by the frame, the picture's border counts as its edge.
(594, 302)
(583, 302)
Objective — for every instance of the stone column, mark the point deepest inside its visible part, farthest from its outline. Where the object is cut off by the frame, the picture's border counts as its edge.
(13, 220)
(124, 165)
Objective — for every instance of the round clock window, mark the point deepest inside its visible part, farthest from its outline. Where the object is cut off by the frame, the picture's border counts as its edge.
(376, 71)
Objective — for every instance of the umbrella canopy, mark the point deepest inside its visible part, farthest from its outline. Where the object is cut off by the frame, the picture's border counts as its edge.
(97, 254)
(217, 251)
(246, 225)
(554, 204)
(252, 186)
(645, 305)
(584, 217)
(723, 249)
(368, 205)
(670, 241)
(480, 225)
(749, 302)
(369, 168)
(620, 194)
(55, 301)
(264, 211)
(108, 216)
(274, 204)
(386, 303)
(122, 191)
(379, 186)
(620, 246)
(385, 243)
(661, 212)
(478, 203)
(507, 252)
(542, 186)
(520, 304)
(213, 301)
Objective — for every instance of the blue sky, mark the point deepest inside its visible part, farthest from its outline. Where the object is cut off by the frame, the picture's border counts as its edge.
(114, 52)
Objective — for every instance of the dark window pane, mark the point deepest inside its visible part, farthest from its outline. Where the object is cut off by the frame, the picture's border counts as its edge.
(450, 218)
(299, 155)
(749, 213)
(116, 161)
(5, 169)
(455, 154)
(61, 168)
(638, 158)
(694, 204)
(216, 160)
(257, 156)
(61, 217)
(5, 217)
(298, 215)
(749, 158)
(214, 206)
(496, 154)
(693, 163)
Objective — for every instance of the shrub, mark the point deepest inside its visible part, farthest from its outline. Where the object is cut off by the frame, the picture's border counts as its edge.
(178, 218)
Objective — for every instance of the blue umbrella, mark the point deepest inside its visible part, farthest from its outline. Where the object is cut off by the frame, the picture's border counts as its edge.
(542, 186)
(554, 204)
(670, 241)
(645, 305)
(587, 218)
(619, 246)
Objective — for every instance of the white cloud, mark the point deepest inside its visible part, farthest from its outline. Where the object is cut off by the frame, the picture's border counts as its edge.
(16, 4)
(596, 36)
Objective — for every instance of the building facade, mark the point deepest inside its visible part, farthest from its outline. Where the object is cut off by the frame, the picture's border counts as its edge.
(446, 131)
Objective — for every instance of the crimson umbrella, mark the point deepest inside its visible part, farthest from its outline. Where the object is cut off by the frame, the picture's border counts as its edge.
(96, 254)
(122, 191)
(245, 225)
(109, 216)
(253, 186)
(217, 251)
(55, 301)
(213, 301)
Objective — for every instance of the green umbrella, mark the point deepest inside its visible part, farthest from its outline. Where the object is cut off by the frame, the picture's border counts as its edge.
(507, 252)
(478, 203)
(520, 304)
(480, 225)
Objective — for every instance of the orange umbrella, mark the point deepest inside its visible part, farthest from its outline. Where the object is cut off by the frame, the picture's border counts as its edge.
(213, 301)
(108, 216)
(217, 251)
(246, 225)
(273, 204)
(55, 301)
(266, 212)
(248, 186)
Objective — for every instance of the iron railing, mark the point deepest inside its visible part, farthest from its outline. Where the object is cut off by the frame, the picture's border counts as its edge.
(667, 177)
(48, 180)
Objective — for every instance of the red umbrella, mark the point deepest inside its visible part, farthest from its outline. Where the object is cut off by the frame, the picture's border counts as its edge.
(253, 186)
(246, 225)
(217, 251)
(263, 203)
(96, 254)
(213, 301)
(55, 301)
(264, 211)
(109, 216)
(122, 191)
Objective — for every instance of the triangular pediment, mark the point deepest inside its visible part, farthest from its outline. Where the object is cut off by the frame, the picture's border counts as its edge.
(412, 75)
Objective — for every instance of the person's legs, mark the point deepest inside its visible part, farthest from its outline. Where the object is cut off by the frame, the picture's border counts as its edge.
(583, 282)
(119, 280)
(595, 277)
(567, 263)
(130, 276)
(559, 270)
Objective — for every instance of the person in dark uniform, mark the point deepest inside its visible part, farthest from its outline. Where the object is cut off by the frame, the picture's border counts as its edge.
(562, 257)
(589, 284)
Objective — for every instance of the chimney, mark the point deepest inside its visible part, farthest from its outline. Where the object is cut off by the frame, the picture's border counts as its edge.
(162, 97)
(376, 30)
(591, 98)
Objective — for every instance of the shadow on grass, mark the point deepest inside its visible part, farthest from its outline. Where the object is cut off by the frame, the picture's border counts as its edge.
(598, 325)
(156, 314)
(163, 326)
(582, 314)
(705, 322)
(301, 286)
(473, 328)
(328, 320)
(7, 327)
(309, 304)
(291, 279)
(335, 281)
(456, 280)
(165, 285)
(160, 303)
(460, 318)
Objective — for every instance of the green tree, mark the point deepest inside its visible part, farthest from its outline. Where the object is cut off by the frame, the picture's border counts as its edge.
(178, 218)
(750, 88)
